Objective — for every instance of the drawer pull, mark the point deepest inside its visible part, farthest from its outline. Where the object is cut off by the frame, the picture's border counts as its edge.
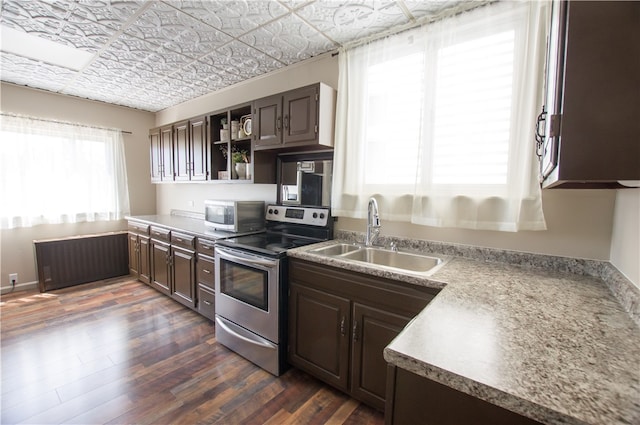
(207, 302)
(205, 246)
(206, 271)
(179, 240)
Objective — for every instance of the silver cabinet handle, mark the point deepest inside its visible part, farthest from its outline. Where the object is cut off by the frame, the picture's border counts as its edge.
(342, 329)
(207, 302)
(355, 331)
(206, 271)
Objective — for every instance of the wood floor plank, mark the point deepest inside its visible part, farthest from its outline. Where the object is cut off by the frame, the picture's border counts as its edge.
(119, 352)
(343, 412)
(102, 413)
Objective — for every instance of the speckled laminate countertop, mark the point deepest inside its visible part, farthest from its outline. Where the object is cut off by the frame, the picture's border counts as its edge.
(534, 338)
(193, 223)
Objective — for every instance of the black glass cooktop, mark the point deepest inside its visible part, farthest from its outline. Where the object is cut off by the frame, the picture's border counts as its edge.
(271, 244)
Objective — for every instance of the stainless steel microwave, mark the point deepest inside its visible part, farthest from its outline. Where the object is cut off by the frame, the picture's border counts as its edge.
(234, 216)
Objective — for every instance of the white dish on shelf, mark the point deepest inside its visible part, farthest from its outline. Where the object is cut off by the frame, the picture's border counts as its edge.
(247, 126)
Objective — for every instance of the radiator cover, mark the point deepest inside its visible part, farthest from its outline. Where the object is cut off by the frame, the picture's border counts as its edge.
(80, 259)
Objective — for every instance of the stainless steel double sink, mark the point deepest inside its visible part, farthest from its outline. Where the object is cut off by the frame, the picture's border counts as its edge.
(401, 261)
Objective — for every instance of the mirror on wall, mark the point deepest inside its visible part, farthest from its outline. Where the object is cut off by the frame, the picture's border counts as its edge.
(305, 179)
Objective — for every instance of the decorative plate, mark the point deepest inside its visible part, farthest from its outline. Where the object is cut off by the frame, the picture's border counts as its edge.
(247, 126)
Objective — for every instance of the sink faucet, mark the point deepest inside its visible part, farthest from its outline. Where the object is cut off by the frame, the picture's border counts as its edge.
(373, 222)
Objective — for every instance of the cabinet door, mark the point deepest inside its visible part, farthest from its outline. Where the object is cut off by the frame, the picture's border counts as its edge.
(181, 158)
(133, 254)
(199, 149)
(144, 261)
(160, 258)
(300, 115)
(372, 330)
(183, 266)
(166, 153)
(155, 159)
(267, 125)
(319, 334)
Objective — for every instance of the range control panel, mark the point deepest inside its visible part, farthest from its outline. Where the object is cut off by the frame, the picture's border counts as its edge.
(312, 216)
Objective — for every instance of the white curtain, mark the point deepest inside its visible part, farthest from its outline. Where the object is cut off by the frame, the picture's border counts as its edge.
(52, 172)
(437, 122)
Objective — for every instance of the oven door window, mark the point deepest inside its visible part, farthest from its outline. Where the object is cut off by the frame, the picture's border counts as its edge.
(245, 284)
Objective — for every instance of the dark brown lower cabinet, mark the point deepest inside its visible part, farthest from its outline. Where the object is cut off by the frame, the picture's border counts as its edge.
(373, 329)
(183, 280)
(144, 270)
(161, 266)
(166, 260)
(413, 399)
(139, 261)
(206, 302)
(319, 334)
(205, 279)
(340, 321)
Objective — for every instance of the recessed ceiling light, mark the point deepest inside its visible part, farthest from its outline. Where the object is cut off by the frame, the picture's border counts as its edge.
(23, 44)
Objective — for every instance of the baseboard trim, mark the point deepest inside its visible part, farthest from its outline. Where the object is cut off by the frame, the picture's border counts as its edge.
(19, 287)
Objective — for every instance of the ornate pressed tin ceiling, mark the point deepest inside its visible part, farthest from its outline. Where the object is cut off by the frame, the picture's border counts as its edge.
(150, 54)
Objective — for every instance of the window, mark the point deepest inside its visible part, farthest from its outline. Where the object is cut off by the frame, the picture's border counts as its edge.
(55, 172)
(437, 122)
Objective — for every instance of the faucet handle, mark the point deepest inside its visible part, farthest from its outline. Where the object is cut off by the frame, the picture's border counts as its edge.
(393, 247)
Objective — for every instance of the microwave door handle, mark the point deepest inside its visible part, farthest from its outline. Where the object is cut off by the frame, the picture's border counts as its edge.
(241, 258)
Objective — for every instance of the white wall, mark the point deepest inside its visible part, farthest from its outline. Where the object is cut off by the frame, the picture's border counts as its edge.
(578, 225)
(16, 245)
(625, 243)
(579, 222)
(323, 68)
(190, 197)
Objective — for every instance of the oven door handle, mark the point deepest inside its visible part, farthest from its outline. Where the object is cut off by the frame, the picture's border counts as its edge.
(239, 258)
(256, 340)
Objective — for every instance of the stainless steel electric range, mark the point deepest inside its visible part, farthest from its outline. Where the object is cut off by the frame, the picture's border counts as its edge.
(252, 285)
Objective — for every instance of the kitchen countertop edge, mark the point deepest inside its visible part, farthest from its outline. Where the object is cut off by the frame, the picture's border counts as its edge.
(591, 272)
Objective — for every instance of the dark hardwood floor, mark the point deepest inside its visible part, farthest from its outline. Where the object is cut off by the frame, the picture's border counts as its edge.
(118, 352)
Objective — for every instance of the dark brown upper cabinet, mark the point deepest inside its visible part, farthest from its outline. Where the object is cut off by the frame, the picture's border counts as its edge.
(161, 153)
(296, 118)
(592, 131)
(155, 159)
(191, 149)
(181, 150)
(199, 148)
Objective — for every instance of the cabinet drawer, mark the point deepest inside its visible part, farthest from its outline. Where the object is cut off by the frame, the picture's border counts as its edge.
(205, 246)
(183, 240)
(205, 269)
(138, 228)
(160, 233)
(206, 302)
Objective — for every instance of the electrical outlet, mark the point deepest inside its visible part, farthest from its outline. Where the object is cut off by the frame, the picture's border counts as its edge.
(13, 278)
